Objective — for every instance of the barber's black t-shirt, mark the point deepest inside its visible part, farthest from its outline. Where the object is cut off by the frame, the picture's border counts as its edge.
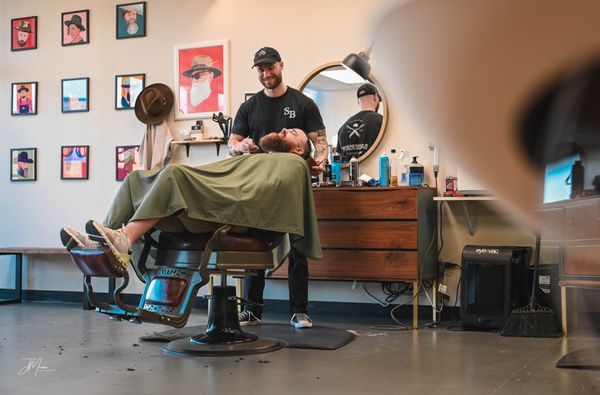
(261, 115)
(358, 133)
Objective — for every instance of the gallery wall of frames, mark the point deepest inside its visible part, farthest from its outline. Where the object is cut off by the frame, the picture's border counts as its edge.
(130, 22)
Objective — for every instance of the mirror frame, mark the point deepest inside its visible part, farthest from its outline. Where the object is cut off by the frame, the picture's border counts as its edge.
(383, 103)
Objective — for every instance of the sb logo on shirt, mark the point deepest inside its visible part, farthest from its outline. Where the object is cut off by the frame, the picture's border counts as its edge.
(289, 113)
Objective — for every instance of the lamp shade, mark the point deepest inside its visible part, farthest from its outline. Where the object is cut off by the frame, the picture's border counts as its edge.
(359, 63)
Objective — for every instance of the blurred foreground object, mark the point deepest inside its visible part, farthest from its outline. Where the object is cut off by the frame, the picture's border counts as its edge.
(504, 86)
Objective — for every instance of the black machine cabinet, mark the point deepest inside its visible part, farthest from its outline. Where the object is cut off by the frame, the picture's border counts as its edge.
(493, 284)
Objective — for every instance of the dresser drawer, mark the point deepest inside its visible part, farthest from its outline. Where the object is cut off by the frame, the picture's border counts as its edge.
(368, 234)
(582, 222)
(581, 259)
(360, 265)
(553, 223)
(366, 204)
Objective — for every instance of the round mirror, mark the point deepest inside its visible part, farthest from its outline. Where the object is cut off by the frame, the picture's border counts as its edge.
(354, 126)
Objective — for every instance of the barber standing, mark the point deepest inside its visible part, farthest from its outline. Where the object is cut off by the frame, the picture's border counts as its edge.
(275, 107)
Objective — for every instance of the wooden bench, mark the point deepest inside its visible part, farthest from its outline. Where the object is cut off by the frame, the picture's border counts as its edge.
(18, 253)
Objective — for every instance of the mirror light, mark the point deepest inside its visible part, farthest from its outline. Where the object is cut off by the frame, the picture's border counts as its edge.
(359, 63)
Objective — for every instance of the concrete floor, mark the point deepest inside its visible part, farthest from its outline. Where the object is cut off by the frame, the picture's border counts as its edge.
(86, 353)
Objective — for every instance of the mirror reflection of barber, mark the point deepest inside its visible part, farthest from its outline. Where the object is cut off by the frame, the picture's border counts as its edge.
(274, 108)
(360, 131)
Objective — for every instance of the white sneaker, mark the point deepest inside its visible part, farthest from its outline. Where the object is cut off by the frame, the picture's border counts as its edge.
(301, 320)
(70, 238)
(248, 318)
(116, 240)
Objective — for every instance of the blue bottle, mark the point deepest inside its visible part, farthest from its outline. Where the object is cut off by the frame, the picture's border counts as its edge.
(336, 169)
(416, 173)
(384, 170)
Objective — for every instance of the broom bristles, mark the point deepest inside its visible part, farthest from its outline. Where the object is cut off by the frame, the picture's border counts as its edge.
(531, 321)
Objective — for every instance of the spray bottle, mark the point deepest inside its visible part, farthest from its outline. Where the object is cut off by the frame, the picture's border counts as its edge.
(403, 170)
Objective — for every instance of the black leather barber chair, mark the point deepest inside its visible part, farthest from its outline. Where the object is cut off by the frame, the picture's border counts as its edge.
(183, 263)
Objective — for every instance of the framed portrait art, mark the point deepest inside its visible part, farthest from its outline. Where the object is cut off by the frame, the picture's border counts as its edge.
(75, 27)
(23, 164)
(201, 79)
(23, 33)
(74, 162)
(24, 98)
(131, 20)
(127, 89)
(127, 160)
(75, 94)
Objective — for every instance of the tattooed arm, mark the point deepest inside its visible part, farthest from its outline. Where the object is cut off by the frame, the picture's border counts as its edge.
(319, 139)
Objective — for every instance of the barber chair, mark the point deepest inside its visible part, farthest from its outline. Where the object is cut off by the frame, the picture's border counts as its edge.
(182, 265)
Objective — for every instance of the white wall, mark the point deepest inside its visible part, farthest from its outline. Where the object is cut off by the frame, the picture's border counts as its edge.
(307, 33)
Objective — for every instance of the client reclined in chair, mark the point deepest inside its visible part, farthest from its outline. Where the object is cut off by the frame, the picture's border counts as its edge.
(257, 191)
(261, 198)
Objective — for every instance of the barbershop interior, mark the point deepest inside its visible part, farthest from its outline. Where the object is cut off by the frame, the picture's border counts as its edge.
(281, 197)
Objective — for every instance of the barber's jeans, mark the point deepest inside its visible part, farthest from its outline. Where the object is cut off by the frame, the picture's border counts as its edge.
(297, 282)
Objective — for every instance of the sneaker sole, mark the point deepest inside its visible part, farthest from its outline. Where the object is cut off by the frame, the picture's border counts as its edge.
(69, 240)
(97, 234)
(302, 326)
(250, 323)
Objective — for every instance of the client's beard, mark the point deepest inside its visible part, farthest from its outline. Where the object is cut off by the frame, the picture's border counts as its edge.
(272, 142)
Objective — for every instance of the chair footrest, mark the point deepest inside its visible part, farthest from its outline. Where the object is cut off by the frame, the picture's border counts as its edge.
(97, 262)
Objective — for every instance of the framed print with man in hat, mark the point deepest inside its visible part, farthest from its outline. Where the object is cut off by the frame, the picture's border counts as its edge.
(23, 33)
(75, 27)
(127, 160)
(201, 79)
(131, 20)
(74, 162)
(23, 164)
(127, 89)
(23, 98)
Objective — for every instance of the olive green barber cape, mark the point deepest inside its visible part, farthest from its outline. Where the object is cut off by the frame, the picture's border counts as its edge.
(264, 191)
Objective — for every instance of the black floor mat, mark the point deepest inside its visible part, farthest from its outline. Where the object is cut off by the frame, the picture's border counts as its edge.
(319, 337)
(585, 359)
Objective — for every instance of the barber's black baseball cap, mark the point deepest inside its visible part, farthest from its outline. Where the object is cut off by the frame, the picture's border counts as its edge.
(367, 89)
(266, 55)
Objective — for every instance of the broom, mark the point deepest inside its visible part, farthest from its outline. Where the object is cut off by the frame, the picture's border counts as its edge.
(532, 320)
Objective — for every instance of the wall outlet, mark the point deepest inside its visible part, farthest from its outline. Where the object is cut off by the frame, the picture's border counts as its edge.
(442, 288)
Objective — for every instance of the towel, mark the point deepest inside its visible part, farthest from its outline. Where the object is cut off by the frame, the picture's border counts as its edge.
(155, 150)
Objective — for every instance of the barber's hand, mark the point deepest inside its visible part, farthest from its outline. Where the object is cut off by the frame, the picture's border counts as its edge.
(247, 146)
(315, 168)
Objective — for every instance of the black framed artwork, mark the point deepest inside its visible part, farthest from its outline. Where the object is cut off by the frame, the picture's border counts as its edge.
(75, 26)
(75, 95)
(23, 33)
(127, 89)
(24, 98)
(75, 162)
(23, 164)
(131, 20)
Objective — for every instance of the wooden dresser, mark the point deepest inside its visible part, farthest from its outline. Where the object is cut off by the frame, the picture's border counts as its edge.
(375, 234)
(571, 237)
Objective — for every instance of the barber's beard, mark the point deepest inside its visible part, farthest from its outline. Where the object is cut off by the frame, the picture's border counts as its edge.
(273, 83)
(272, 142)
(200, 92)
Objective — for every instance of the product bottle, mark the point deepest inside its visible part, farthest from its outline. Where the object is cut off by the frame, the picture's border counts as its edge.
(354, 173)
(326, 171)
(576, 179)
(403, 170)
(384, 170)
(336, 169)
(415, 177)
(393, 169)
